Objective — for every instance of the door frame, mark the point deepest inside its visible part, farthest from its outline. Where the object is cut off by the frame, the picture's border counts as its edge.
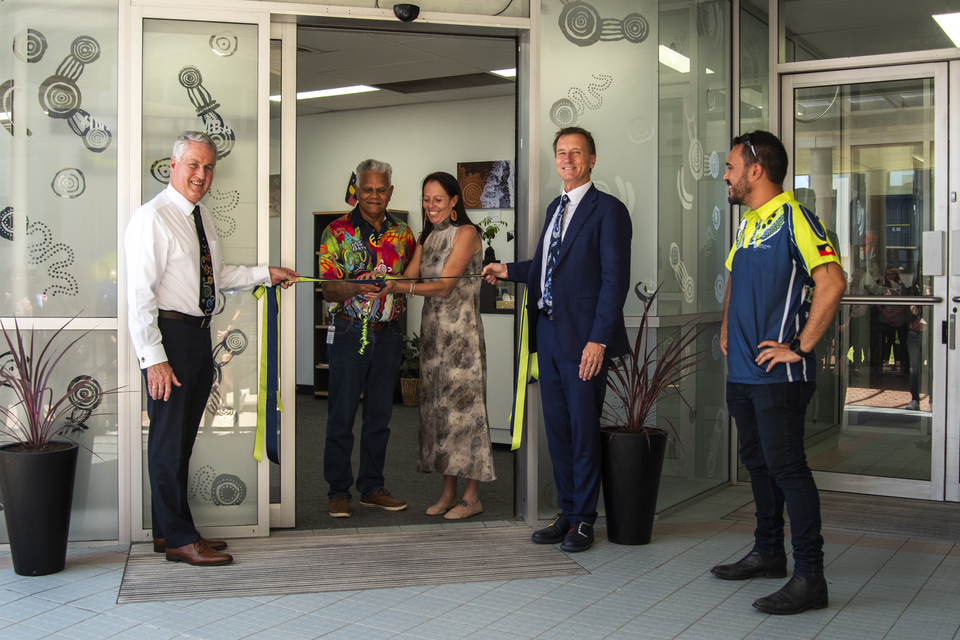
(936, 487)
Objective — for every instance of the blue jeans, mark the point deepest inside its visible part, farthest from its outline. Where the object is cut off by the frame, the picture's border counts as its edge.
(770, 423)
(375, 375)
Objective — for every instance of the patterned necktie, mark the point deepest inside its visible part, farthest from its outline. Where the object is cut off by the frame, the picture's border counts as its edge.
(553, 253)
(207, 288)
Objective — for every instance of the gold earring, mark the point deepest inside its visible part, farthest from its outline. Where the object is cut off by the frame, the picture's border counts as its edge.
(453, 216)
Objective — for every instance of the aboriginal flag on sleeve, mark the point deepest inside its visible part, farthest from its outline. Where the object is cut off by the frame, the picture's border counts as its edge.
(826, 250)
(351, 197)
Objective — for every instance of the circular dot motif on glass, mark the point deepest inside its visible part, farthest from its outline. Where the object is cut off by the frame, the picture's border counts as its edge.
(69, 183)
(716, 217)
(563, 113)
(190, 77)
(29, 46)
(635, 28)
(720, 288)
(59, 97)
(580, 23)
(715, 349)
(160, 170)
(6, 223)
(85, 393)
(235, 341)
(85, 49)
(228, 490)
(714, 165)
(224, 43)
(696, 159)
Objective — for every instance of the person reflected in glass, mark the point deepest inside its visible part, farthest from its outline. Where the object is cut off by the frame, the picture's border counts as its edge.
(894, 323)
(454, 434)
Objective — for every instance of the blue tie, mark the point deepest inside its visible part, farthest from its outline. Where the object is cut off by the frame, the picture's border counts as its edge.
(553, 254)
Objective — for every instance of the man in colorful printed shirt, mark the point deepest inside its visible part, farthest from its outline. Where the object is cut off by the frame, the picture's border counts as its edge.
(785, 294)
(364, 339)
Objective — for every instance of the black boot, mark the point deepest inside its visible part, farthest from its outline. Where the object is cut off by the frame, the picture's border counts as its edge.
(798, 595)
(751, 565)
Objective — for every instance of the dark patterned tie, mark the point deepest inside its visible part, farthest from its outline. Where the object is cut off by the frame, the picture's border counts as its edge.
(207, 288)
(553, 253)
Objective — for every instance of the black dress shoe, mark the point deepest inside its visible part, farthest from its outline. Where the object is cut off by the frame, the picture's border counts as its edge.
(553, 534)
(751, 565)
(796, 596)
(579, 538)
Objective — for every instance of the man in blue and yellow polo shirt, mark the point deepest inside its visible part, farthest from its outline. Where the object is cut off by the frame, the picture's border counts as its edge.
(784, 290)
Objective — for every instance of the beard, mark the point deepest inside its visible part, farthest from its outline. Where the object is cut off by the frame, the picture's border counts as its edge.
(739, 192)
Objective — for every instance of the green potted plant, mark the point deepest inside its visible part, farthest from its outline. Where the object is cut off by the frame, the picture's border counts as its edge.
(37, 467)
(633, 443)
(488, 231)
(410, 371)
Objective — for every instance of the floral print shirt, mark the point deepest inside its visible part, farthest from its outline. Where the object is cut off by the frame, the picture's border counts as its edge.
(350, 246)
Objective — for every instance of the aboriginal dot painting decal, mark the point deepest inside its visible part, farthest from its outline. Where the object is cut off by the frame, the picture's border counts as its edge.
(60, 96)
(224, 43)
(69, 183)
(223, 489)
(565, 111)
(582, 25)
(213, 125)
(85, 396)
(233, 344)
(7, 90)
(42, 249)
(29, 46)
(226, 201)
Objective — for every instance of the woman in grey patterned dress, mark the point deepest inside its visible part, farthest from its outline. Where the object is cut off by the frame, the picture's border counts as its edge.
(454, 436)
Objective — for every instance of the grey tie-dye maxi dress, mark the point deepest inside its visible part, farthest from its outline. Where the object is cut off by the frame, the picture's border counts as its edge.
(454, 435)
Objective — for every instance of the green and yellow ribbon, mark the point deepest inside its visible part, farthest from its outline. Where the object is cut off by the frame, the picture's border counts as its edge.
(526, 365)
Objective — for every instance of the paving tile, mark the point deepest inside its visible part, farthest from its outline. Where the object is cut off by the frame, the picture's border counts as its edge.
(441, 630)
(36, 585)
(474, 615)
(226, 629)
(69, 593)
(394, 621)
(503, 600)
(490, 634)
(100, 602)
(21, 632)
(359, 632)
(96, 628)
(348, 611)
(266, 615)
(310, 626)
(426, 605)
(183, 620)
(24, 608)
(306, 602)
(57, 619)
(274, 634)
(576, 595)
(551, 609)
(145, 632)
(7, 596)
(537, 587)
(523, 625)
(568, 629)
(460, 592)
(656, 626)
(383, 598)
(139, 612)
(701, 631)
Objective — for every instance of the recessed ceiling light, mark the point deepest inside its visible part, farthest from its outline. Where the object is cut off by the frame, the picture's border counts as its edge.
(506, 73)
(950, 23)
(327, 93)
(674, 60)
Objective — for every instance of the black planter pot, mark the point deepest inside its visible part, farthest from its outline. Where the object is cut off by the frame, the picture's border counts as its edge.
(37, 494)
(631, 479)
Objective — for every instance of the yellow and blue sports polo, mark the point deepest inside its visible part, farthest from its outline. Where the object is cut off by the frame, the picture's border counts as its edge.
(777, 248)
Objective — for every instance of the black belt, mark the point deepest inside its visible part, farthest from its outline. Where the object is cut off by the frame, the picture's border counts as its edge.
(200, 321)
(376, 326)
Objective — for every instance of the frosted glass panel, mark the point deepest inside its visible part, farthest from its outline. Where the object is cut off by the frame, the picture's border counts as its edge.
(202, 76)
(58, 159)
(91, 421)
(693, 145)
(511, 8)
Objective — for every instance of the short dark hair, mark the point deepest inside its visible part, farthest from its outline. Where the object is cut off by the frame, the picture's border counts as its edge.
(765, 148)
(571, 131)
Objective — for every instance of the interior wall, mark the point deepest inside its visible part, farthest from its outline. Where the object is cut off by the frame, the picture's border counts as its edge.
(416, 140)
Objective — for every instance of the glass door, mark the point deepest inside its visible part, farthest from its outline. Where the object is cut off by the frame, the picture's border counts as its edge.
(868, 158)
(952, 436)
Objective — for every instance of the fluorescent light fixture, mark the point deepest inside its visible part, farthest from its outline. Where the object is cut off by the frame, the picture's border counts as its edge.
(327, 93)
(674, 60)
(506, 73)
(950, 23)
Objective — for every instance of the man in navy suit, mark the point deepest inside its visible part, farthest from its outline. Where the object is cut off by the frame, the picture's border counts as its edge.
(577, 284)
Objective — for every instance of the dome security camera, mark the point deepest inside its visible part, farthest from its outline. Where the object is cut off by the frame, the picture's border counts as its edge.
(406, 12)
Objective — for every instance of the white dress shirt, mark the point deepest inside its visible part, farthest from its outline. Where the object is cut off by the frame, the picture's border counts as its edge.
(576, 195)
(163, 268)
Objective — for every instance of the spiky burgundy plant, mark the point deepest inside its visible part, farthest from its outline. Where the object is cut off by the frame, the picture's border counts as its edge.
(29, 378)
(649, 373)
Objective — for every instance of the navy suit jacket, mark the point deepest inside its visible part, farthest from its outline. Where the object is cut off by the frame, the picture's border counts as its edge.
(591, 279)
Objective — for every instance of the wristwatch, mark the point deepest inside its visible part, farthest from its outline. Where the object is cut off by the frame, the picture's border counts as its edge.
(795, 347)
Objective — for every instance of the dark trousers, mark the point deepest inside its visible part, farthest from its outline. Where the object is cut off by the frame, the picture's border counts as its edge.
(373, 374)
(770, 423)
(571, 412)
(173, 430)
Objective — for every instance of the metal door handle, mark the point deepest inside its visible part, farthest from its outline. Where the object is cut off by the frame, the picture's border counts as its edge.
(953, 331)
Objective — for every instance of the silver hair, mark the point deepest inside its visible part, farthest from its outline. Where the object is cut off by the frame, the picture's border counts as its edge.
(185, 138)
(377, 167)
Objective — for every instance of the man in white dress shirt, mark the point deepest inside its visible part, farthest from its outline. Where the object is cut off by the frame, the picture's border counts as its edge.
(174, 269)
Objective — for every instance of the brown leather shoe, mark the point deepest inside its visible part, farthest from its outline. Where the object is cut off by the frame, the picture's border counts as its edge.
(216, 545)
(198, 554)
(382, 498)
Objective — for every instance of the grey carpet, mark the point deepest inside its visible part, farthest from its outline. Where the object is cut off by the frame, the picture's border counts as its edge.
(313, 564)
(420, 490)
(878, 515)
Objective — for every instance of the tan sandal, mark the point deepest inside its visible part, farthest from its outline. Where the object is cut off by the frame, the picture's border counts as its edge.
(464, 510)
(442, 507)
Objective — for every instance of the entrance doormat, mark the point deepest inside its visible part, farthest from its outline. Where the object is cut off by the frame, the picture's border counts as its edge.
(879, 515)
(314, 564)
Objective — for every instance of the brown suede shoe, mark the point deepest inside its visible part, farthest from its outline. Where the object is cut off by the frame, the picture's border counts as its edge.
(382, 498)
(198, 554)
(339, 506)
(216, 545)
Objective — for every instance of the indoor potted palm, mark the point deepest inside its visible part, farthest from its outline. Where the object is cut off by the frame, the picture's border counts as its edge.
(37, 463)
(410, 371)
(633, 443)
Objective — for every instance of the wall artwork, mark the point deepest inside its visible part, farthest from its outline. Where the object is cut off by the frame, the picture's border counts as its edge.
(582, 25)
(486, 185)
